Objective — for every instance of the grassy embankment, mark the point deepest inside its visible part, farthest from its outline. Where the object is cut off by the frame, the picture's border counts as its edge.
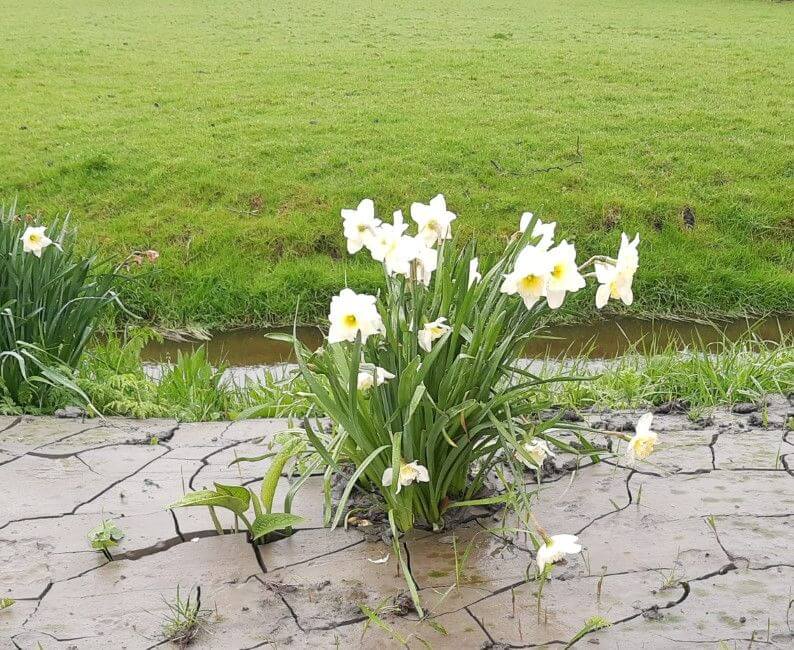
(229, 134)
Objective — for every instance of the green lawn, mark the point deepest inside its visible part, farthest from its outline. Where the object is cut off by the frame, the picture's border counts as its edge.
(166, 123)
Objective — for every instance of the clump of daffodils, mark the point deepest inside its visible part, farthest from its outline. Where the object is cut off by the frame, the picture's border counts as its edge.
(420, 381)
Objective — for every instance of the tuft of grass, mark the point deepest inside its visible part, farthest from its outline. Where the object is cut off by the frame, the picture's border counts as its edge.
(702, 376)
(185, 618)
(282, 117)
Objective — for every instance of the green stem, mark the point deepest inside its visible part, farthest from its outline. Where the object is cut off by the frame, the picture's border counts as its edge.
(215, 521)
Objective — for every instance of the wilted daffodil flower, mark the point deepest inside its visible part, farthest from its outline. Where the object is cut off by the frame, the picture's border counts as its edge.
(535, 451)
(543, 230)
(555, 548)
(642, 443)
(615, 280)
(564, 275)
(374, 377)
(434, 220)
(529, 277)
(409, 472)
(34, 240)
(352, 313)
(432, 331)
(359, 225)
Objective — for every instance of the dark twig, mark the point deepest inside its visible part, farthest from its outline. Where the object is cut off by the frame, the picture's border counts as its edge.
(578, 159)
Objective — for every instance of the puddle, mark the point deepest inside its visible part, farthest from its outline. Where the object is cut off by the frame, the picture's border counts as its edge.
(599, 340)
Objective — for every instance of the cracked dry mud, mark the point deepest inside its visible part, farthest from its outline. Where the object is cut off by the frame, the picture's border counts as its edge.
(652, 566)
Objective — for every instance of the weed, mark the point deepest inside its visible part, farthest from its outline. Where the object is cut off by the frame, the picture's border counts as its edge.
(185, 618)
(105, 536)
(591, 625)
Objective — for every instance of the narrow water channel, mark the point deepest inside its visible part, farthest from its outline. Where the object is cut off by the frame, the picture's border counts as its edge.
(598, 340)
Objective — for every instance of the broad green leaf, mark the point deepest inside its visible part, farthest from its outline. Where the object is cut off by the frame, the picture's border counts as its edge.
(236, 491)
(271, 478)
(105, 535)
(272, 521)
(211, 498)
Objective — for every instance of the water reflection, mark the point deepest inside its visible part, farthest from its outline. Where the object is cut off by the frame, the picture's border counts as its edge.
(598, 340)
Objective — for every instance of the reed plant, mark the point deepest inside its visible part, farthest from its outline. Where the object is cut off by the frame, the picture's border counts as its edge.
(51, 299)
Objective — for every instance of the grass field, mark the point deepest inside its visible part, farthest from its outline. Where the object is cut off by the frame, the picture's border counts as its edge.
(228, 135)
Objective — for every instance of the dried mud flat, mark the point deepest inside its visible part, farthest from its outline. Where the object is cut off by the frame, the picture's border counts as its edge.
(652, 565)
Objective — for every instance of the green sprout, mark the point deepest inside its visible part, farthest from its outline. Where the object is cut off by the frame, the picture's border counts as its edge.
(105, 536)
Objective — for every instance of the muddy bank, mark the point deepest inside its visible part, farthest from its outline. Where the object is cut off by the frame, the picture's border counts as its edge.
(653, 566)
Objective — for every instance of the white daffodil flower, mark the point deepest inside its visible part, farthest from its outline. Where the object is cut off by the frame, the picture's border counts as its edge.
(352, 313)
(641, 444)
(530, 275)
(34, 240)
(474, 274)
(564, 275)
(374, 377)
(359, 225)
(616, 279)
(424, 262)
(388, 245)
(537, 451)
(612, 284)
(555, 548)
(409, 472)
(628, 258)
(543, 230)
(434, 220)
(432, 331)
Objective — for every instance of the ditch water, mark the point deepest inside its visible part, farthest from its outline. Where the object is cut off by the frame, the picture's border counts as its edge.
(604, 339)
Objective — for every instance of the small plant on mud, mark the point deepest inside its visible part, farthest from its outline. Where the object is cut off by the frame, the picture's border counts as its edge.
(590, 625)
(425, 383)
(239, 499)
(185, 619)
(105, 536)
(5, 603)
